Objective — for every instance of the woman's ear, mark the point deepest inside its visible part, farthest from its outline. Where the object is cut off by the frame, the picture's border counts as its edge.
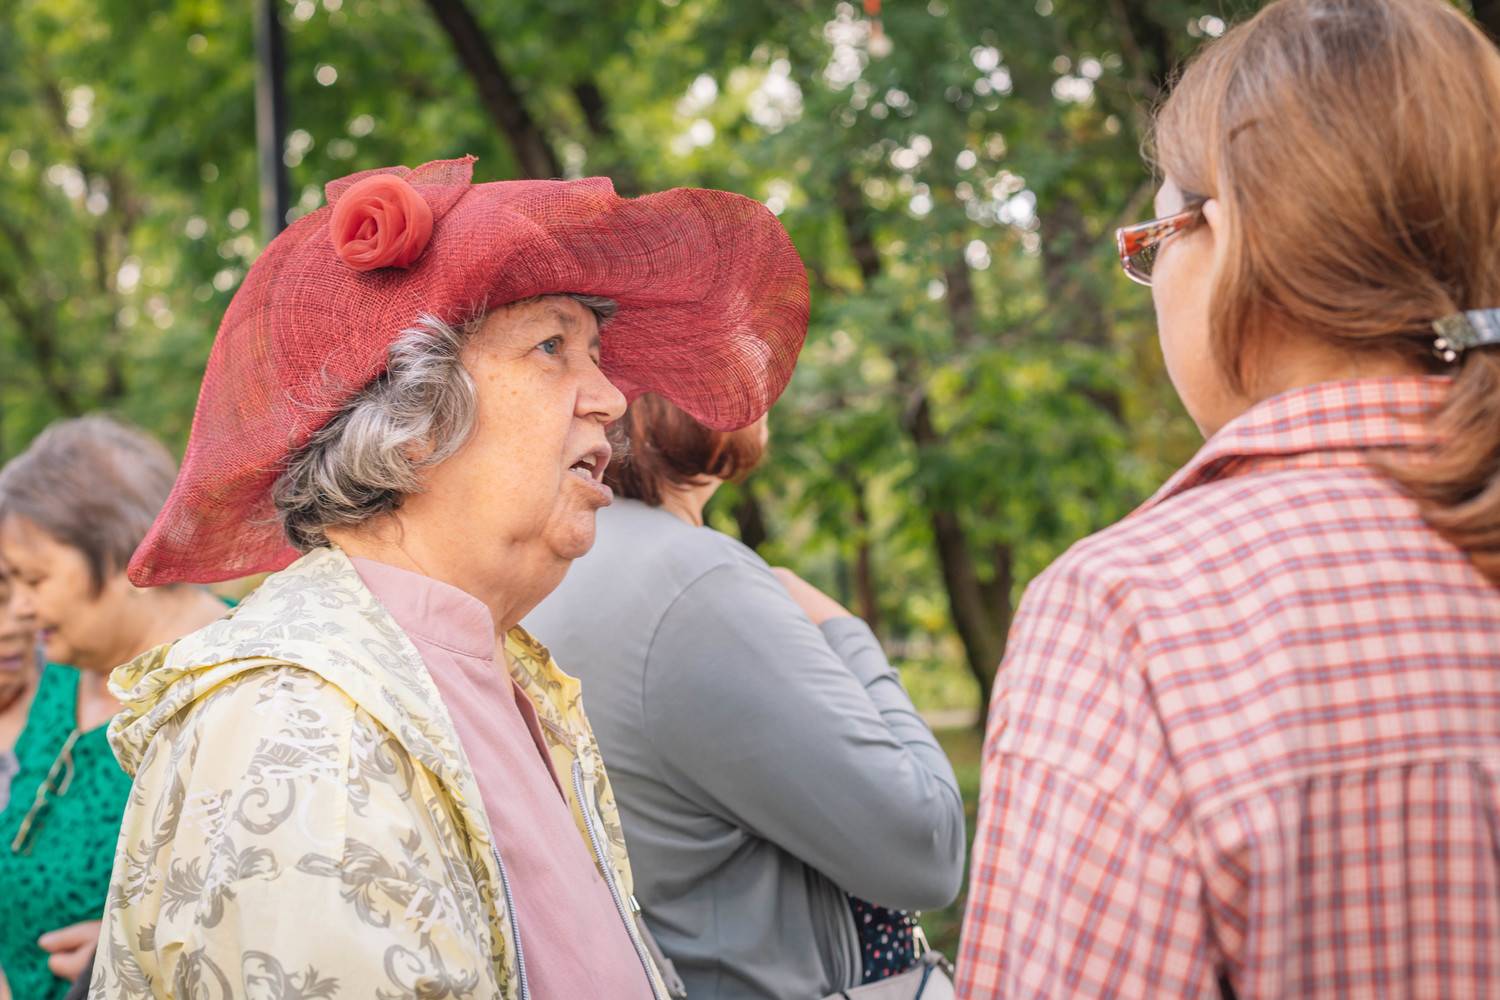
(417, 452)
(1213, 215)
(1216, 223)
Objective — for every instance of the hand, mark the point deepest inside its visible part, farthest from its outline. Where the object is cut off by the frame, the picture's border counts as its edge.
(70, 947)
(814, 603)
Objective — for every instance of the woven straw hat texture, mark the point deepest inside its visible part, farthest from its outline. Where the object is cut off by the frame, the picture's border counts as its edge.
(713, 309)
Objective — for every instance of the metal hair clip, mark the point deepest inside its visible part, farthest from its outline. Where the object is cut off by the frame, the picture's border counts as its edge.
(1464, 331)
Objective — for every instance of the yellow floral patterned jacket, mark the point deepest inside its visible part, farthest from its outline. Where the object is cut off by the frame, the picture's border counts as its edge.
(304, 823)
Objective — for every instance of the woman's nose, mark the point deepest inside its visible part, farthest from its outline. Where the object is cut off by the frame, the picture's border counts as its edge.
(601, 397)
(22, 603)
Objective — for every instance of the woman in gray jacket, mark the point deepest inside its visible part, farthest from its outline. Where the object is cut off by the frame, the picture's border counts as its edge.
(771, 771)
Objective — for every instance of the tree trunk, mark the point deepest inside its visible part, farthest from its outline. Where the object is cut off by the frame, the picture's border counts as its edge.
(1487, 13)
(980, 632)
(37, 325)
(497, 91)
(982, 637)
(997, 598)
(857, 229)
(864, 563)
(595, 110)
(962, 309)
(750, 518)
(1147, 45)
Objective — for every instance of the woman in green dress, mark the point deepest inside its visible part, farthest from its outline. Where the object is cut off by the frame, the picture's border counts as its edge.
(73, 507)
(19, 666)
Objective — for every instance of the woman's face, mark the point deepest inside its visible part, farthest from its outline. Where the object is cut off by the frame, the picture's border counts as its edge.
(525, 487)
(1180, 287)
(54, 590)
(17, 642)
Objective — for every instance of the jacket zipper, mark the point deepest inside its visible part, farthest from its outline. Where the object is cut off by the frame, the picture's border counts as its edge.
(607, 870)
(515, 925)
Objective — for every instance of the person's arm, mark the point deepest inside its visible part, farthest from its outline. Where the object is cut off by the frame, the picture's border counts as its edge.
(1084, 880)
(857, 646)
(760, 720)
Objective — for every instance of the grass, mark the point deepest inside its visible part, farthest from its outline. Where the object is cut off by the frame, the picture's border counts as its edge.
(963, 748)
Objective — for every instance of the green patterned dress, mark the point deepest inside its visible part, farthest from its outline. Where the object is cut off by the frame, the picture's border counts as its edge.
(57, 874)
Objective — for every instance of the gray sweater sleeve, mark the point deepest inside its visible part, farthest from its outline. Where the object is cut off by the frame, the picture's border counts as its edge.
(804, 738)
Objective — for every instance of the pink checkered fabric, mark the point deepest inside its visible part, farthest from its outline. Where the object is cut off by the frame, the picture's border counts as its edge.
(1250, 732)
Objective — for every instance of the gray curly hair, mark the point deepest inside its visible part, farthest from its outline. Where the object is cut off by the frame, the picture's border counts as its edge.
(371, 455)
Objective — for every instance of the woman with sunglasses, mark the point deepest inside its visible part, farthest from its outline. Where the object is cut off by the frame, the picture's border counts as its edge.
(1247, 741)
(73, 506)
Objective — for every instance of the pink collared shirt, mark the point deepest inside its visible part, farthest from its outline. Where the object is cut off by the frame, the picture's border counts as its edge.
(1253, 730)
(575, 942)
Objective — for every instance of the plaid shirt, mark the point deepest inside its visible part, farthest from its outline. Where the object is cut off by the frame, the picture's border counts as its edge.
(1251, 731)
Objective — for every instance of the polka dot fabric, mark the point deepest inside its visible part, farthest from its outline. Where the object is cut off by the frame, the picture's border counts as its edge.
(887, 941)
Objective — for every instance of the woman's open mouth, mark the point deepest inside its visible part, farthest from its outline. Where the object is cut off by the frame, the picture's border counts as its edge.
(590, 468)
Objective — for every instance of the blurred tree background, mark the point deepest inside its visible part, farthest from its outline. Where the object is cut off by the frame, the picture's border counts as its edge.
(980, 388)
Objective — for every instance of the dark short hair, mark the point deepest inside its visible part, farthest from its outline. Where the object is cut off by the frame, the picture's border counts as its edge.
(93, 484)
(664, 447)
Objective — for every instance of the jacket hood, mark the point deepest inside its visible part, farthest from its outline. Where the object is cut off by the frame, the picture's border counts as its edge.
(152, 690)
(315, 615)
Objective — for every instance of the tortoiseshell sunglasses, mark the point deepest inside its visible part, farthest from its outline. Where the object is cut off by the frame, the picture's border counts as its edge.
(1140, 244)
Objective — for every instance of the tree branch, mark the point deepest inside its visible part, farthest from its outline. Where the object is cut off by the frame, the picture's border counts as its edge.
(497, 91)
(591, 102)
(38, 331)
(595, 108)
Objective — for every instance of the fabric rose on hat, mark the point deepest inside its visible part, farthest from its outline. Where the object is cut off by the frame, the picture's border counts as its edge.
(380, 221)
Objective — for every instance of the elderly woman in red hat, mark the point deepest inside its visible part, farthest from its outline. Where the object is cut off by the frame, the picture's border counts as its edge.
(367, 781)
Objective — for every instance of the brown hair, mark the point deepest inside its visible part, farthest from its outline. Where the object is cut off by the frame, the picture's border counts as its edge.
(92, 483)
(1355, 147)
(664, 447)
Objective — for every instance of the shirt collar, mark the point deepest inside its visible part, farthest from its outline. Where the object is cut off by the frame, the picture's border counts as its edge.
(1354, 415)
(431, 610)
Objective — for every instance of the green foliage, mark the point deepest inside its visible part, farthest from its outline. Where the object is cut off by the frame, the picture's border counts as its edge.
(980, 386)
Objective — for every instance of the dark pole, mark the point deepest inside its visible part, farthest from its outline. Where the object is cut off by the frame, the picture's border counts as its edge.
(270, 116)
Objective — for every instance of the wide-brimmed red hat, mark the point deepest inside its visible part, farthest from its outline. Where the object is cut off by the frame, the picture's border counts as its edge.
(712, 302)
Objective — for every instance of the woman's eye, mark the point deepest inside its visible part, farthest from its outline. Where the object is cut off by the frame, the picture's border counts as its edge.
(552, 345)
